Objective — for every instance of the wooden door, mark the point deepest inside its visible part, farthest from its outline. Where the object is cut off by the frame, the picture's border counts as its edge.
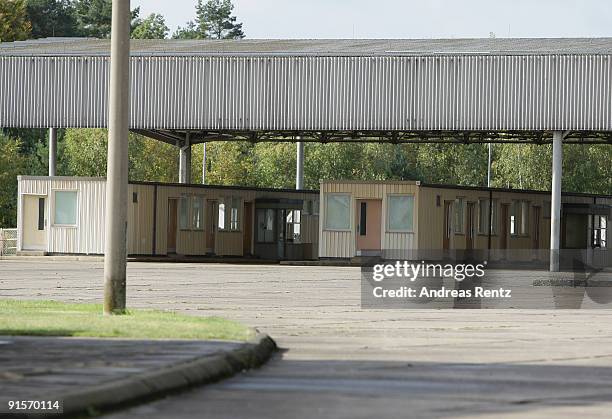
(212, 214)
(368, 224)
(503, 234)
(172, 225)
(34, 223)
(469, 231)
(448, 224)
(247, 238)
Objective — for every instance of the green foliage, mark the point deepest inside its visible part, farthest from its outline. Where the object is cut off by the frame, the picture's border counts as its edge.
(52, 18)
(148, 160)
(14, 24)
(214, 20)
(12, 164)
(94, 17)
(586, 168)
(152, 27)
(190, 31)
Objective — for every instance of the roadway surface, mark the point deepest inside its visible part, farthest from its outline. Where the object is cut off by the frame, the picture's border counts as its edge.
(339, 361)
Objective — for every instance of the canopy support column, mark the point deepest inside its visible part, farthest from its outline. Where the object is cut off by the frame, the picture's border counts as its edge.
(555, 203)
(185, 161)
(52, 151)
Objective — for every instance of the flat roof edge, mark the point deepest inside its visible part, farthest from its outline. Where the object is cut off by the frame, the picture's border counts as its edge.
(183, 185)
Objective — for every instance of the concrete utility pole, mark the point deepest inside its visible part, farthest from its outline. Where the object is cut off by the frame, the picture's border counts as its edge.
(555, 204)
(185, 161)
(52, 151)
(299, 170)
(115, 249)
(203, 163)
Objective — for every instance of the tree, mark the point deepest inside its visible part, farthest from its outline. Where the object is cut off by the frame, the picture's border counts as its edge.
(94, 17)
(12, 164)
(149, 160)
(188, 32)
(52, 18)
(14, 24)
(152, 27)
(214, 20)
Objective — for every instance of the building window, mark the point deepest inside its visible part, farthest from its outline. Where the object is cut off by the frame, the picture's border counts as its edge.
(234, 214)
(400, 209)
(197, 212)
(315, 207)
(265, 225)
(459, 218)
(519, 218)
(337, 212)
(524, 218)
(600, 231)
(483, 216)
(41, 214)
(294, 226)
(307, 207)
(191, 212)
(221, 224)
(229, 214)
(184, 212)
(65, 208)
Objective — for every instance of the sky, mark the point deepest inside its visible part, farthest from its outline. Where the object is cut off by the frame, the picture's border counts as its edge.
(311, 19)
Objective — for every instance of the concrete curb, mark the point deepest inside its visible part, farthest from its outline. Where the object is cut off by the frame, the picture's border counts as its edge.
(162, 381)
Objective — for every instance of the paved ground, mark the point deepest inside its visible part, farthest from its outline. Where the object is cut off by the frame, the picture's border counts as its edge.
(34, 367)
(344, 362)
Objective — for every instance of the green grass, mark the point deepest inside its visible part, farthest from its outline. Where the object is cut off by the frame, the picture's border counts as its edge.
(51, 318)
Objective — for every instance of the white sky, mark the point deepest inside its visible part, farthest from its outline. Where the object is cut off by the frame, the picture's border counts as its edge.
(405, 18)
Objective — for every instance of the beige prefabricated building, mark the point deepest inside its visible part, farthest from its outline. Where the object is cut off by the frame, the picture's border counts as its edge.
(65, 215)
(408, 219)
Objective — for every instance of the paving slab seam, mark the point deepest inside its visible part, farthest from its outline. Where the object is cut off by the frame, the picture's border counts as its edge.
(165, 380)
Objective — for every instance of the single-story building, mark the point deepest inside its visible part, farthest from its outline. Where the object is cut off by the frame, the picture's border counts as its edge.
(409, 219)
(65, 215)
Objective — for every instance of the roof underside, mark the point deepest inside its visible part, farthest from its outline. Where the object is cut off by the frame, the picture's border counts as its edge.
(322, 47)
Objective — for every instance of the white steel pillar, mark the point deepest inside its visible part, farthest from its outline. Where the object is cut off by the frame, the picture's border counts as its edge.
(185, 161)
(555, 203)
(203, 163)
(115, 248)
(299, 170)
(52, 151)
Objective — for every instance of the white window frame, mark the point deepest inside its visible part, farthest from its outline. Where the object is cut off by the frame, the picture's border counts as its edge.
(227, 205)
(235, 204)
(202, 200)
(459, 203)
(388, 218)
(76, 209)
(349, 215)
(290, 225)
(221, 219)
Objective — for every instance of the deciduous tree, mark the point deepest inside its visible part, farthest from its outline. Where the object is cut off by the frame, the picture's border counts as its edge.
(14, 24)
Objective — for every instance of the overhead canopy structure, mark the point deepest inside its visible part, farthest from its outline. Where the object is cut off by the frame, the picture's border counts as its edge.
(466, 90)
(453, 90)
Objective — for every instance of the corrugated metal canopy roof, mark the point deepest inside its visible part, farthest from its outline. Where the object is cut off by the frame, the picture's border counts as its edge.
(333, 47)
